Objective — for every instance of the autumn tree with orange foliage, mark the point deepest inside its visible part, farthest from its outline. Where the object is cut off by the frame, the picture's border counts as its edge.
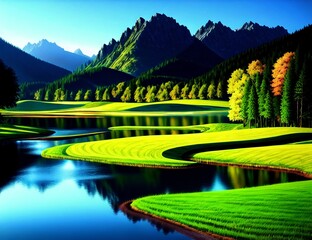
(279, 72)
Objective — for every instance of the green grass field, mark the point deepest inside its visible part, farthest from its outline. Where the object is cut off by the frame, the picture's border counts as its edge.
(173, 107)
(280, 211)
(168, 150)
(287, 156)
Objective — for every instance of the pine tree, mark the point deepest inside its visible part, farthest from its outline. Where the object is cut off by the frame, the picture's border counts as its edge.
(268, 107)
(245, 101)
(299, 94)
(220, 90)
(252, 106)
(287, 100)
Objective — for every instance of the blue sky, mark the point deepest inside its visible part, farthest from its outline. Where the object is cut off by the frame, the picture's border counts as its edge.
(88, 24)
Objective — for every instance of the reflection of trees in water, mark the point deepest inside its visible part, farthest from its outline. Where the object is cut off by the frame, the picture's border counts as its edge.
(12, 162)
(241, 177)
(103, 122)
(129, 183)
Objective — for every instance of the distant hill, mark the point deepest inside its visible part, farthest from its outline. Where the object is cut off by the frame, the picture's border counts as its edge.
(28, 68)
(227, 42)
(54, 54)
(145, 45)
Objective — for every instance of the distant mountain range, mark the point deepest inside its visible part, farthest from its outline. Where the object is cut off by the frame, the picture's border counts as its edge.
(28, 68)
(227, 42)
(54, 54)
(148, 43)
(156, 50)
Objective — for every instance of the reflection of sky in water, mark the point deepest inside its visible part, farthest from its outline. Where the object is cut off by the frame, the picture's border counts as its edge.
(66, 212)
(58, 171)
(217, 185)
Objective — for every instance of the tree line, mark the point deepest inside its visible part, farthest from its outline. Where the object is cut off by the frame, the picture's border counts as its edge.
(277, 94)
(134, 91)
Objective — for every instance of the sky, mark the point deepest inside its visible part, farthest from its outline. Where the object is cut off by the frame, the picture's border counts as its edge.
(88, 24)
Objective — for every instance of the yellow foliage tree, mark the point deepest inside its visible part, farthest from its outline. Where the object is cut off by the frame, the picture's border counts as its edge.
(255, 67)
(236, 88)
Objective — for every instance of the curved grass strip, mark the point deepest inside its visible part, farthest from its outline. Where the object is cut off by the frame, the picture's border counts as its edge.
(297, 157)
(149, 150)
(8, 132)
(280, 211)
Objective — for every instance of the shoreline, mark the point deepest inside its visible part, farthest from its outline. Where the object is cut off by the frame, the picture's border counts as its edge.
(176, 226)
(253, 167)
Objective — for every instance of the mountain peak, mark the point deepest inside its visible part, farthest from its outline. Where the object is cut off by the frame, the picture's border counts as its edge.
(211, 28)
(145, 45)
(79, 52)
(227, 42)
(249, 26)
(54, 54)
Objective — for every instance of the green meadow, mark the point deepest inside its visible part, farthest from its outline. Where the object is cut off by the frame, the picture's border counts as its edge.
(176, 150)
(280, 211)
(173, 107)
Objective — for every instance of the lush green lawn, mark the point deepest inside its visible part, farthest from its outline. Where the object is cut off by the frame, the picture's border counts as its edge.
(287, 156)
(167, 150)
(280, 211)
(8, 131)
(173, 107)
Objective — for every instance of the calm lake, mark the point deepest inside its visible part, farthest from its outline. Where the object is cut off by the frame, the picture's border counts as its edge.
(63, 199)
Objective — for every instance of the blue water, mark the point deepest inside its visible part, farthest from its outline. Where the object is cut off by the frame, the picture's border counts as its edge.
(43, 199)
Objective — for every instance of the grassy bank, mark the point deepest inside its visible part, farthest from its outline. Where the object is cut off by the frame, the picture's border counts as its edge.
(169, 150)
(173, 107)
(11, 132)
(280, 211)
(289, 156)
